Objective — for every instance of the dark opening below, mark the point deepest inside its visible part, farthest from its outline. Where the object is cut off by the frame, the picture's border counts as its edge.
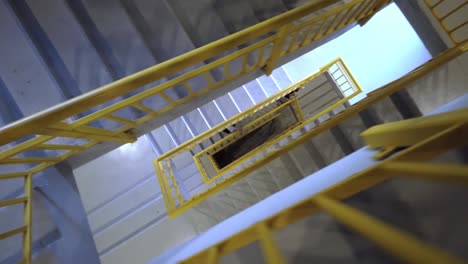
(249, 142)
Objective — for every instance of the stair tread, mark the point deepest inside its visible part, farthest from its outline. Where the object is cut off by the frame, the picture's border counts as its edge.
(236, 15)
(198, 18)
(303, 160)
(164, 28)
(328, 147)
(265, 9)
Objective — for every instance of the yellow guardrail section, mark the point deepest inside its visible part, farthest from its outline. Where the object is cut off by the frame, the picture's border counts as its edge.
(179, 205)
(257, 47)
(171, 189)
(452, 16)
(231, 139)
(426, 138)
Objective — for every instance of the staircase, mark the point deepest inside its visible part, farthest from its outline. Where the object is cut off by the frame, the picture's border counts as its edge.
(58, 50)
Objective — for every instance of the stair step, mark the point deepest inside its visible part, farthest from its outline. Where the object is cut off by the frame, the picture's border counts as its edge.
(112, 20)
(431, 91)
(328, 147)
(221, 210)
(227, 106)
(200, 20)
(353, 127)
(242, 98)
(164, 140)
(303, 160)
(202, 218)
(387, 111)
(236, 15)
(240, 200)
(212, 113)
(82, 69)
(263, 180)
(281, 78)
(265, 9)
(281, 173)
(255, 90)
(159, 26)
(268, 85)
(180, 130)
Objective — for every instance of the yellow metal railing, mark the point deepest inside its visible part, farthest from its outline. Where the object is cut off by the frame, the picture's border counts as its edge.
(426, 138)
(235, 135)
(452, 16)
(176, 207)
(68, 128)
(170, 187)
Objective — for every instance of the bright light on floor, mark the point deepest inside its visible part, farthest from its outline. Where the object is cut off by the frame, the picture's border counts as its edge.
(381, 51)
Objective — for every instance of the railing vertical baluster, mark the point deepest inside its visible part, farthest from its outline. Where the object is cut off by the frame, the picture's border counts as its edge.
(226, 70)
(212, 256)
(208, 78)
(27, 236)
(340, 22)
(453, 11)
(394, 241)
(245, 67)
(317, 34)
(166, 98)
(166, 183)
(330, 27)
(269, 246)
(370, 6)
(309, 30)
(276, 51)
(440, 19)
(355, 12)
(261, 55)
(174, 182)
(189, 89)
(293, 45)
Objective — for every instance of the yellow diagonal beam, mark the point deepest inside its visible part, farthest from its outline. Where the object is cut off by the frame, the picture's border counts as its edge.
(396, 242)
(270, 248)
(428, 171)
(410, 131)
(12, 232)
(13, 201)
(12, 175)
(28, 160)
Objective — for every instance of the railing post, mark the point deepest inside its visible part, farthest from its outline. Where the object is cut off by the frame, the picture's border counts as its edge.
(27, 234)
(276, 51)
(271, 251)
